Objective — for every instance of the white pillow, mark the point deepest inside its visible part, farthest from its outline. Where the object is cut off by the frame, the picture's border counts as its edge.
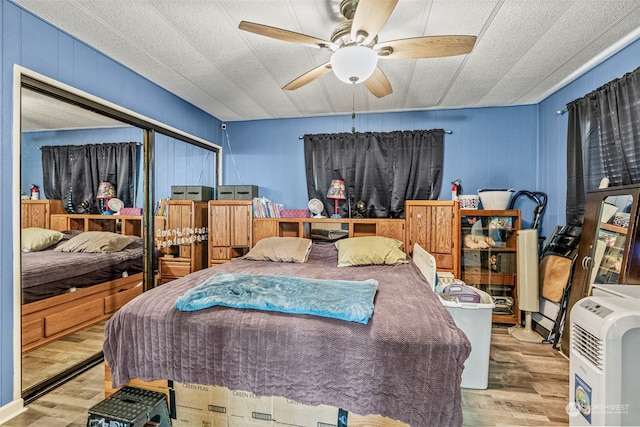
(37, 239)
(280, 249)
(96, 241)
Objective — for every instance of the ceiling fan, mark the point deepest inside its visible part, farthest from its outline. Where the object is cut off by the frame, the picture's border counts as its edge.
(355, 47)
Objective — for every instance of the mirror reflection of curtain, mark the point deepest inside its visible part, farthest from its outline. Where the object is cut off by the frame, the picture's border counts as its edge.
(602, 141)
(79, 169)
(383, 169)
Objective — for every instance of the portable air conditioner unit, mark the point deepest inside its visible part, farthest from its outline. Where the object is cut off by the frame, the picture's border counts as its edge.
(604, 374)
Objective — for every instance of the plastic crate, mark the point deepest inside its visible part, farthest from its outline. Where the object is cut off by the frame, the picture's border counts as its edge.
(130, 407)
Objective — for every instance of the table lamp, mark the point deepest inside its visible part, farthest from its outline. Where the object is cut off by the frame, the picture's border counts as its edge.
(336, 192)
(106, 191)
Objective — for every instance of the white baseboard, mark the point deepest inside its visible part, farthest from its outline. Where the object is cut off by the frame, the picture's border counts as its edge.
(11, 409)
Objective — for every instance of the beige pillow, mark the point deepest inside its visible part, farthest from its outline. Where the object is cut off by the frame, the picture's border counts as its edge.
(369, 250)
(37, 239)
(96, 241)
(280, 249)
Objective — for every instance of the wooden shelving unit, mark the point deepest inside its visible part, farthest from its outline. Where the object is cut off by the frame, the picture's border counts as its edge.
(492, 269)
(130, 225)
(303, 227)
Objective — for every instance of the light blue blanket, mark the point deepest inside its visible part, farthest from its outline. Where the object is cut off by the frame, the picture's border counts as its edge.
(338, 299)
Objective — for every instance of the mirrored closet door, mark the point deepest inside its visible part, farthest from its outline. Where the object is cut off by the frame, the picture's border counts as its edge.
(68, 202)
(68, 292)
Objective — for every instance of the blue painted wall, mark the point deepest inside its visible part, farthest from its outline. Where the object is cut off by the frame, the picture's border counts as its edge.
(519, 147)
(488, 148)
(32, 43)
(177, 163)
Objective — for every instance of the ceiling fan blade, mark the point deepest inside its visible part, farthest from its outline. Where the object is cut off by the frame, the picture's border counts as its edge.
(308, 77)
(369, 18)
(426, 47)
(285, 35)
(378, 84)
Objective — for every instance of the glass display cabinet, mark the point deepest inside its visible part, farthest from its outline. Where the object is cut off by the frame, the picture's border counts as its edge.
(608, 253)
(489, 258)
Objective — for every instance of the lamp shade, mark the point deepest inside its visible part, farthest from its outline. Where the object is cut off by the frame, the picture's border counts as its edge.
(106, 190)
(336, 190)
(354, 64)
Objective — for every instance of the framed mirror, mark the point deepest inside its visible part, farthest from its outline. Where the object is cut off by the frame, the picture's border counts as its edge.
(69, 322)
(611, 242)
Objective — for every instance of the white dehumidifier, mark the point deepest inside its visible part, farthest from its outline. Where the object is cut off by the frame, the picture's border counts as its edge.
(604, 379)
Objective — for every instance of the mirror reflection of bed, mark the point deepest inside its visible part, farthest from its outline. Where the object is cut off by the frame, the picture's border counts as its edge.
(65, 304)
(62, 335)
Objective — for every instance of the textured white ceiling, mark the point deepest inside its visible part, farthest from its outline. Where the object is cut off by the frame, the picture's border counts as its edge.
(42, 113)
(526, 49)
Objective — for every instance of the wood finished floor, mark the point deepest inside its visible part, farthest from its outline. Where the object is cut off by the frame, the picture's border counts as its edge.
(48, 360)
(528, 386)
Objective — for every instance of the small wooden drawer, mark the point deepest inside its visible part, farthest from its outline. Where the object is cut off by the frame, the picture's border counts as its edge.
(220, 253)
(172, 267)
(32, 331)
(444, 261)
(72, 317)
(115, 301)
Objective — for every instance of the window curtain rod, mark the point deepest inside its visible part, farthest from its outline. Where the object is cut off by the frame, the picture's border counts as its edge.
(447, 131)
(137, 143)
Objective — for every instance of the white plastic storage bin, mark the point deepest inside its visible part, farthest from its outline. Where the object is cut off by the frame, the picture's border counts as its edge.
(474, 319)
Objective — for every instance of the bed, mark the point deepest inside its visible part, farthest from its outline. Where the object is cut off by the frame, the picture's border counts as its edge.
(405, 363)
(65, 291)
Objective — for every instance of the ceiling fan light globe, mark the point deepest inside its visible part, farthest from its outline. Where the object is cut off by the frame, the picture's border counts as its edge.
(354, 64)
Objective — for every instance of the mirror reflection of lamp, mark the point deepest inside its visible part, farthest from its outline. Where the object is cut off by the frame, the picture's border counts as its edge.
(106, 191)
(336, 192)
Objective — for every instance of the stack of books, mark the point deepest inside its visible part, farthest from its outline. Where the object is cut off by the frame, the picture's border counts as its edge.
(161, 208)
(265, 208)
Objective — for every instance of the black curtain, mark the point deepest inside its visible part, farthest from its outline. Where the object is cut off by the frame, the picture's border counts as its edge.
(603, 140)
(75, 172)
(382, 169)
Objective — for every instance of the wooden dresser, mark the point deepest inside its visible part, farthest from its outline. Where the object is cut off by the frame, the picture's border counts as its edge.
(185, 219)
(435, 225)
(230, 229)
(37, 213)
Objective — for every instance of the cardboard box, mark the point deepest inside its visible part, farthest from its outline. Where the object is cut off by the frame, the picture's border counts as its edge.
(200, 193)
(245, 192)
(239, 422)
(200, 397)
(191, 192)
(237, 192)
(178, 192)
(212, 406)
(250, 407)
(291, 413)
(226, 192)
(199, 418)
(200, 405)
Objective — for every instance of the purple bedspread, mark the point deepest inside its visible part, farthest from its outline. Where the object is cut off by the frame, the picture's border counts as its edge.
(49, 273)
(406, 363)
